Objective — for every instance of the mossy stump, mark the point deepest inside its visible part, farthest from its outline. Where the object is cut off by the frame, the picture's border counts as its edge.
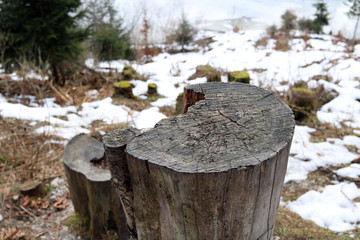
(124, 88)
(179, 108)
(94, 199)
(303, 101)
(215, 172)
(211, 74)
(239, 76)
(152, 89)
(129, 73)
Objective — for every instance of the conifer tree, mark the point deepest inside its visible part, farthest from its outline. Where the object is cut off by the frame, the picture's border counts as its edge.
(185, 32)
(321, 17)
(43, 31)
(109, 40)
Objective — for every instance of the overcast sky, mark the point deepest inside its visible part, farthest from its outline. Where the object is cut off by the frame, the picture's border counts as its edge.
(267, 11)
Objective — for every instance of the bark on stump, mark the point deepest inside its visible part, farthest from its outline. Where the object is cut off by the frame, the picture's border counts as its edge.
(91, 192)
(215, 172)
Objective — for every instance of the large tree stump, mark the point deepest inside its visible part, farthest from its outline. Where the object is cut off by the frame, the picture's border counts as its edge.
(91, 192)
(215, 172)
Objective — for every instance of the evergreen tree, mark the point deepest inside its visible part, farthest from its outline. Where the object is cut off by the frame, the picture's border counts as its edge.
(43, 31)
(321, 17)
(185, 32)
(305, 24)
(354, 11)
(288, 21)
(109, 40)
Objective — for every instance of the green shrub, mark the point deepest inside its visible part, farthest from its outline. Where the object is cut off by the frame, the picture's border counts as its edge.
(185, 32)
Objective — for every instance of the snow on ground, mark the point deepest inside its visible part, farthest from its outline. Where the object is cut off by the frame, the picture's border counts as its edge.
(333, 208)
(275, 70)
(352, 171)
(308, 156)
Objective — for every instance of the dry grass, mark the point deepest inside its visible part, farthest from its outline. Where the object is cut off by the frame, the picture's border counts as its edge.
(99, 126)
(290, 226)
(262, 42)
(325, 130)
(25, 155)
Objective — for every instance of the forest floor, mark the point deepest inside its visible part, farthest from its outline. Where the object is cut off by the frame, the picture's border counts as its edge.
(321, 195)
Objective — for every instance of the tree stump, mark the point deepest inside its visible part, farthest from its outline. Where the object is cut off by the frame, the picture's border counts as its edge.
(91, 192)
(215, 172)
(152, 89)
(211, 74)
(124, 88)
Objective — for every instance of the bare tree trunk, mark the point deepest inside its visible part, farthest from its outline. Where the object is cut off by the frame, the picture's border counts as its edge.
(356, 26)
(354, 36)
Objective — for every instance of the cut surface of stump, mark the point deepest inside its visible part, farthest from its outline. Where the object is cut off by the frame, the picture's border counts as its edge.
(215, 172)
(91, 192)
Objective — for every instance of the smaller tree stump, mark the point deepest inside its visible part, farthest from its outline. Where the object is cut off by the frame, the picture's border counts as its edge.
(303, 101)
(152, 89)
(129, 73)
(93, 198)
(211, 74)
(115, 143)
(124, 88)
(239, 76)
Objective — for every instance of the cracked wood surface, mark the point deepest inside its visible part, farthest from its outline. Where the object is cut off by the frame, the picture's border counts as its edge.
(215, 172)
(237, 125)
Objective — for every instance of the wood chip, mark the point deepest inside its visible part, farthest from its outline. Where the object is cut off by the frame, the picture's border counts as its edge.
(26, 200)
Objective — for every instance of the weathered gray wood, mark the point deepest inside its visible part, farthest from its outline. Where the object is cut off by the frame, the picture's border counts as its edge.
(93, 198)
(115, 143)
(215, 172)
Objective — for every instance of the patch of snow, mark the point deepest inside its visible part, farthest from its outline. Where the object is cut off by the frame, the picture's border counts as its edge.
(101, 110)
(308, 156)
(147, 118)
(164, 102)
(140, 87)
(34, 75)
(343, 109)
(20, 111)
(64, 132)
(352, 171)
(333, 208)
(92, 94)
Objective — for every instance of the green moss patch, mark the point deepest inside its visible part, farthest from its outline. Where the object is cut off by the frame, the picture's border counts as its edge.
(211, 74)
(152, 89)
(122, 84)
(303, 91)
(239, 76)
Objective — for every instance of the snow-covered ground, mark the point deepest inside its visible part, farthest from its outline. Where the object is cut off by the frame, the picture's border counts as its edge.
(278, 70)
